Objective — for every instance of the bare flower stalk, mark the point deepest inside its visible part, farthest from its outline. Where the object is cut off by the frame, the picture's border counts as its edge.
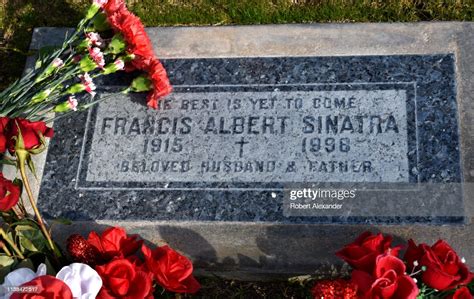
(39, 219)
(5, 249)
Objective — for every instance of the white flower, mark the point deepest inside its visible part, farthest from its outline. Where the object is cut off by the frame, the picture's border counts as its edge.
(97, 55)
(58, 63)
(72, 103)
(119, 64)
(85, 79)
(18, 277)
(94, 39)
(100, 3)
(89, 85)
(83, 281)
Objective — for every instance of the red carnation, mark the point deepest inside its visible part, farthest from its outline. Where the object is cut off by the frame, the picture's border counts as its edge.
(444, 270)
(32, 133)
(388, 280)
(160, 81)
(172, 271)
(334, 289)
(9, 194)
(4, 125)
(47, 287)
(133, 32)
(361, 254)
(139, 44)
(121, 279)
(113, 6)
(114, 243)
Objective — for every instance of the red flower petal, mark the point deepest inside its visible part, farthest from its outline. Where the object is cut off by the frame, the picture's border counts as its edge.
(47, 287)
(9, 194)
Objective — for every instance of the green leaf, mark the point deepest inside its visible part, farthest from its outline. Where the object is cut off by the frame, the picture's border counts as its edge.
(31, 164)
(26, 263)
(41, 96)
(92, 11)
(7, 162)
(19, 183)
(30, 238)
(116, 45)
(141, 84)
(49, 267)
(82, 46)
(6, 261)
(87, 64)
(100, 22)
(76, 88)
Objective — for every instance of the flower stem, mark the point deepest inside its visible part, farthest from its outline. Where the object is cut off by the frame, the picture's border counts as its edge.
(4, 248)
(11, 243)
(26, 184)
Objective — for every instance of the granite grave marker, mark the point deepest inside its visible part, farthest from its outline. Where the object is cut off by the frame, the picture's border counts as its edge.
(245, 127)
(236, 130)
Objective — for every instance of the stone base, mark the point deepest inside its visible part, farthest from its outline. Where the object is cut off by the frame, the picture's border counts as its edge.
(249, 250)
(261, 251)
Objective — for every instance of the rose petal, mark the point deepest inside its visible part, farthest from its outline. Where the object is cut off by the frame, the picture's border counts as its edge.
(83, 281)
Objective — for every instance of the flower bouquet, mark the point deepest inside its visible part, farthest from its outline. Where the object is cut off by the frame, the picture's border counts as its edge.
(108, 40)
(379, 272)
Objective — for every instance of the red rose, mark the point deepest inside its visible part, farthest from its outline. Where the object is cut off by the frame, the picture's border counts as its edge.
(334, 289)
(32, 133)
(413, 254)
(121, 279)
(461, 293)
(9, 194)
(47, 287)
(113, 243)
(361, 254)
(4, 124)
(172, 271)
(444, 270)
(387, 281)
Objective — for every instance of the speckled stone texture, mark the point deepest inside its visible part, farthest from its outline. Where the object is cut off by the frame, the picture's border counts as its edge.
(431, 128)
(266, 245)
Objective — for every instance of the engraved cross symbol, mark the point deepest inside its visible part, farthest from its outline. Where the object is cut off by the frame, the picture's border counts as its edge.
(242, 142)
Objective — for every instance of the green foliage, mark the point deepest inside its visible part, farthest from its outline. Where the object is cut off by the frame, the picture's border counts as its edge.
(117, 45)
(100, 23)
(140, 84)
(87, 65)
(30, 238)
(19, 17)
